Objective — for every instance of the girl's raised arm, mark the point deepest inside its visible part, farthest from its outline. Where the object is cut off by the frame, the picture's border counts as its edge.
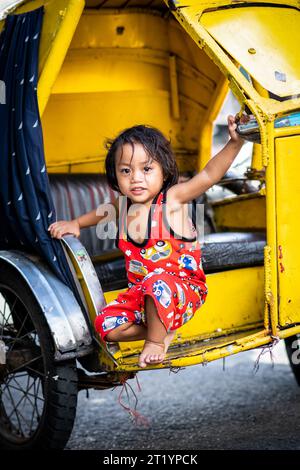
(212, 172)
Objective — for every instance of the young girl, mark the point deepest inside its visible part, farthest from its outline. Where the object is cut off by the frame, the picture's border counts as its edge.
(166, 283)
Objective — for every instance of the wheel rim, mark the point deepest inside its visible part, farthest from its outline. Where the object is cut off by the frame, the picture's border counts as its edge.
(22, 377)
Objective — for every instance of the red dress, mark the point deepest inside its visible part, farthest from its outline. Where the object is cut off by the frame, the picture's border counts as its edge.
(165, 266)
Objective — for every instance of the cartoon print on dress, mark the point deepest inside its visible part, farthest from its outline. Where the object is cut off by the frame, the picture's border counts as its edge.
(181, 246)
(113, 302)
(113, 322)
(187, 262)
(137, 267)
(181, 296)
(155, 271)
(161, 250)
(188, 313)
(196, 289)
(170, 317)
(162, 292)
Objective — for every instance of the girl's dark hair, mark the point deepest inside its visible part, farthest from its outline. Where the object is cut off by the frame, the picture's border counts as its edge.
(155, 145)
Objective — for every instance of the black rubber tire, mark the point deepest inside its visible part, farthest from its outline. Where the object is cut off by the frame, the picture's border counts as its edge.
(292, 346)
(57, 381)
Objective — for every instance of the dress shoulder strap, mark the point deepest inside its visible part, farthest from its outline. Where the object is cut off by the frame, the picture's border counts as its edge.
(123, 206)
(158, 228)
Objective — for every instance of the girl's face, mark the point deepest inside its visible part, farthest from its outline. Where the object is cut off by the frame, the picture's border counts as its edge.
(139, 177)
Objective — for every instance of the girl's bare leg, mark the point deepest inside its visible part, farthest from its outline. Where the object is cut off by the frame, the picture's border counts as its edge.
(155, 332)
(127, 332)
(157, 339)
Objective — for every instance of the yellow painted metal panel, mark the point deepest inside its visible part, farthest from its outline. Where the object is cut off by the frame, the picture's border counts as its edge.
(204, 352)
(264, 41)
(271, 272)
(121, 61)
(245, 212)
(223, 347)
(113, 28)
(101, 69)
(288, 227)
(76, 125)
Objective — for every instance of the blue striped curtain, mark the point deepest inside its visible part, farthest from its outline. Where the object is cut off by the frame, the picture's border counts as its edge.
(26, 207)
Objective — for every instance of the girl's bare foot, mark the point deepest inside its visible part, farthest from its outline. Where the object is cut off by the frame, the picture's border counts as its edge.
(153, 352)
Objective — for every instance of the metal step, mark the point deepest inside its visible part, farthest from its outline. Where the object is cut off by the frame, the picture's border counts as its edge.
(200, 351)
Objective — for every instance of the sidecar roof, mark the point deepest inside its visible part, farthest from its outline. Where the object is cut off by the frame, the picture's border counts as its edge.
(262, 37)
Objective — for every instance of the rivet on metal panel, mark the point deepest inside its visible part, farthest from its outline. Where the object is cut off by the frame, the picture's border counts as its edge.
(251, 50)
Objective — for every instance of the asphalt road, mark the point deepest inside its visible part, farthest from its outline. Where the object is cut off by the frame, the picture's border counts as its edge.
(200, 407)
